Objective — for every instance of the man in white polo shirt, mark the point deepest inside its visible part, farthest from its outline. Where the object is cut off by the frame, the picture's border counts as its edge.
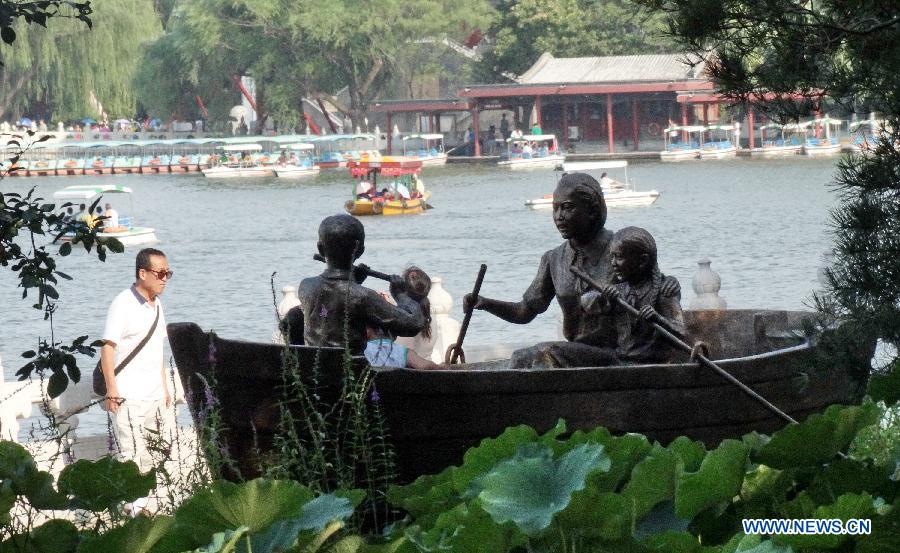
(138, 396)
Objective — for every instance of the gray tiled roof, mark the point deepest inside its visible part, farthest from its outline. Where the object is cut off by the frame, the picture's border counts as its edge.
(651, 67)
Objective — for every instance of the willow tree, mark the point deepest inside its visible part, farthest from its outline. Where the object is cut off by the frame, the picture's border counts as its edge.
(51, 72)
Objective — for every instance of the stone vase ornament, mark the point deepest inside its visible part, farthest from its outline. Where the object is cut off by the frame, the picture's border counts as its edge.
(706, 284)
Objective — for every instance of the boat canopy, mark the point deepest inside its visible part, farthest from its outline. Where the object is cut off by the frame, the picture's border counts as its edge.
(593, 165)
(88, 191)
(433, 136)
(686, 128)
(530, 137)
(729, 127)
(388, 166)
(301, 146)
(338, 137)
(240, 147)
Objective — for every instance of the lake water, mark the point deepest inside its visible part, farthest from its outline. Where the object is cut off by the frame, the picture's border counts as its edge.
(763, 223)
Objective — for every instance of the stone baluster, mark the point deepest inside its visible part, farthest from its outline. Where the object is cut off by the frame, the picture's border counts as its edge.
(444, 330)
(15, 404)
(706, 284)
(288, 301)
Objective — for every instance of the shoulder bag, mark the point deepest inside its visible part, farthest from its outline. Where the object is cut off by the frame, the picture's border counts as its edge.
(100, 382)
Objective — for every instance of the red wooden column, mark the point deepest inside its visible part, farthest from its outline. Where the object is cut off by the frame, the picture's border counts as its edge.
(565, 125)
(635, 122)
(684, 121)
(751, 132)
(584, 116)
(705, 114)
(476, 129)
(390, 132)
(609, 122)
(437, 122)
(537, 108)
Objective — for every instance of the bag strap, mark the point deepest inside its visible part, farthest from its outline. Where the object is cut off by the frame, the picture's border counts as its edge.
(139, 347)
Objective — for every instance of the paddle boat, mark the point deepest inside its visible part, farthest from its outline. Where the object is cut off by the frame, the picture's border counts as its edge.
(69, 163)
(126, 232)
(688, 148)
(827, 145)
(531, 151)
(432, 150)
(616, 193)
(99, 158)
(335, 151)
(778, 140)
(719, 145)
(432, 417)
(40, 164)
(235, 161)
(868, 133)
(299, 163)
(405, 195)
(127, 158)
(156, 161)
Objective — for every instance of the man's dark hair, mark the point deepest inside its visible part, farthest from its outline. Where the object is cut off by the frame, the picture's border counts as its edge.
(342, 239)
(142, 260)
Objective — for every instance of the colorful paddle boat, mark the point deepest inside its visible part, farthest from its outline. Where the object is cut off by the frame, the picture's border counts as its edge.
(431, 151)
(235, 160)
(298, 161)
(616, 193)
(404, 195)
(719, 145)
(531, 151)
(687, 148)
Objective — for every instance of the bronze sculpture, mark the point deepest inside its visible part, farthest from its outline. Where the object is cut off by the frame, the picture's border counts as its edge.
(579, 212)
(336, 308)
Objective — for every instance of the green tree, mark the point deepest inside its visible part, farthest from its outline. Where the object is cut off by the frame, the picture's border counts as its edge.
(43, 76)
(525, 29)
(769, 54)
(296, 49)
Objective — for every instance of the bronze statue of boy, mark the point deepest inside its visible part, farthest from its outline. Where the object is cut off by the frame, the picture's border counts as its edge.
(336, 308)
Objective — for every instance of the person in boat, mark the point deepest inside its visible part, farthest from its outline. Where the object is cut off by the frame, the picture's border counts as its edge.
(639, 282)
(112, 217)
(384, 351)
(579, 212)
(68, 216)
(337, 308)
(365, 189)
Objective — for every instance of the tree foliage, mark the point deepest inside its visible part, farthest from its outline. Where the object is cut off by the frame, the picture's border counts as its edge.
(525, 29)
(52, 71)
(294, 49)
(787, 57)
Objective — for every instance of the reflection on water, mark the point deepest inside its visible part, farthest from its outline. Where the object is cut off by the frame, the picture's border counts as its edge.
(764, 224)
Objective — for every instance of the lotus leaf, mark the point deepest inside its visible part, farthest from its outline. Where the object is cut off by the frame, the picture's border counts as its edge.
(652, 480)
(673, 542)
(138, 535)
(719, 479)
(102, 484)
(482, 458)
(846, 507)
(466, 529)
(817, 439)
(531, 487)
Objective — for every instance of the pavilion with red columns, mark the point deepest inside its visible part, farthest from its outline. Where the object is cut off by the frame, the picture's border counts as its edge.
(624, 99)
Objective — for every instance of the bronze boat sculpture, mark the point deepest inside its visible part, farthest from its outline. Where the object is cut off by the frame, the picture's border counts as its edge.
(432, 417)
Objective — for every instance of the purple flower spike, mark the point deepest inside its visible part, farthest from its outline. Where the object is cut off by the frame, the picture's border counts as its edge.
(211, 355)
(323, 312)
(375, 397)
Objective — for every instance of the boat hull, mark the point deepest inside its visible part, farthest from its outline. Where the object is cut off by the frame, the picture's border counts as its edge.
(826, 150)
(776, 151)
(718, 153)
(296, 172)
(532, 163)
(135, 236)
(432, 417)
(624, 198)
(679, 155)
(233, 172)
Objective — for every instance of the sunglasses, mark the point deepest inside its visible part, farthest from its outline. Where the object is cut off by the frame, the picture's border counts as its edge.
(160, 274)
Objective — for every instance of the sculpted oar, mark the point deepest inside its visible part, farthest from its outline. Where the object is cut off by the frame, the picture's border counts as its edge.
(700, 358)
(455, 352)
